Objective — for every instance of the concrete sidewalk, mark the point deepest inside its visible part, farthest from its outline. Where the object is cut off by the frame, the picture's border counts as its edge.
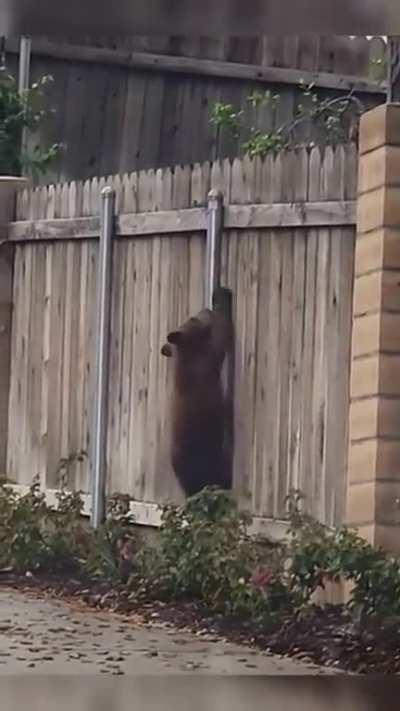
(50, 637)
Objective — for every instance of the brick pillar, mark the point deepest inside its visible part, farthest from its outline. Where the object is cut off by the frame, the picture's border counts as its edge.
(373, 503)
(8, 189)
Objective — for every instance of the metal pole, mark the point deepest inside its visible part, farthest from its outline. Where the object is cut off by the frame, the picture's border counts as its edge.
(3, 52)
(24, 64)
(99, 443)
(213, 248)
(23, 77)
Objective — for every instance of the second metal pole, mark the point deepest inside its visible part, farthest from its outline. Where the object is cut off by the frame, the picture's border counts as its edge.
(24, 64)
(213, 248)
(100, 415)
(23, 78)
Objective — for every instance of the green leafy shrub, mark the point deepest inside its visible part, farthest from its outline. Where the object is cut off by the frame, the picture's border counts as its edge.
(205, 553)
(114, 546)
(37, 537)
(19, 112)
(33, 536)
(21, 529)
(317, 553)
(335, 118)
(65, 534)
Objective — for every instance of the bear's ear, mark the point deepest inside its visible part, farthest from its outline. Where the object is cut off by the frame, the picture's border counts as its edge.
(175, 337)
(166, 350)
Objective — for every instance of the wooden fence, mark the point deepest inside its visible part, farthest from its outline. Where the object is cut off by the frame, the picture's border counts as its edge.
(288, 249)
(146, 103)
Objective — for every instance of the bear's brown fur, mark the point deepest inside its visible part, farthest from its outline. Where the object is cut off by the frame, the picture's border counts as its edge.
(200, 454)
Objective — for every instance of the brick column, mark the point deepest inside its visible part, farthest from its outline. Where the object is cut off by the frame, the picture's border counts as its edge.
(373, 503)
(8, 189)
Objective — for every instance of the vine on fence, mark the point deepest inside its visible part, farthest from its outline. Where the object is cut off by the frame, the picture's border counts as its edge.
(17, 113)
(336, 119)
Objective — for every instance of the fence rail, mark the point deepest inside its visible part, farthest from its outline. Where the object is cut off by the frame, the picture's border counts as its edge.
(334, 54)
(262, 73)
(310, 214)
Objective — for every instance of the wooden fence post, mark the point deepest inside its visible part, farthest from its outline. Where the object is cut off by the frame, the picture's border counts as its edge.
(373, 502)
(8, 190)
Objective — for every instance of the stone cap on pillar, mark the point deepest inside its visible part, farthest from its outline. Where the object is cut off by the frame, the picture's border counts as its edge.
(380, 127)
(13, 181)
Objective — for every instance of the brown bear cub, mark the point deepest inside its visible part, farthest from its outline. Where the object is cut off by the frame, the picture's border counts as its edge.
(200, 444)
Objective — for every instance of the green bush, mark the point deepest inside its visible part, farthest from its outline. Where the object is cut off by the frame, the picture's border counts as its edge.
(317, 553)
(17, 113)
(204, 553)
(37, 537)
(33, 536)
(113, 547)
(335, 118)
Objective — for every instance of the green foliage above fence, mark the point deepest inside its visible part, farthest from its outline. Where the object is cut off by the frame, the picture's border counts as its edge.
(19, 112)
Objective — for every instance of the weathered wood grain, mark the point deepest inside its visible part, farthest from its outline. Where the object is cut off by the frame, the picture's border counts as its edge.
(287, 256)
(207, 67)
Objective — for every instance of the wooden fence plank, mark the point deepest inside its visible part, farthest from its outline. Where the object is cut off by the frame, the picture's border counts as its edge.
(81, 367)
(139, 416)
